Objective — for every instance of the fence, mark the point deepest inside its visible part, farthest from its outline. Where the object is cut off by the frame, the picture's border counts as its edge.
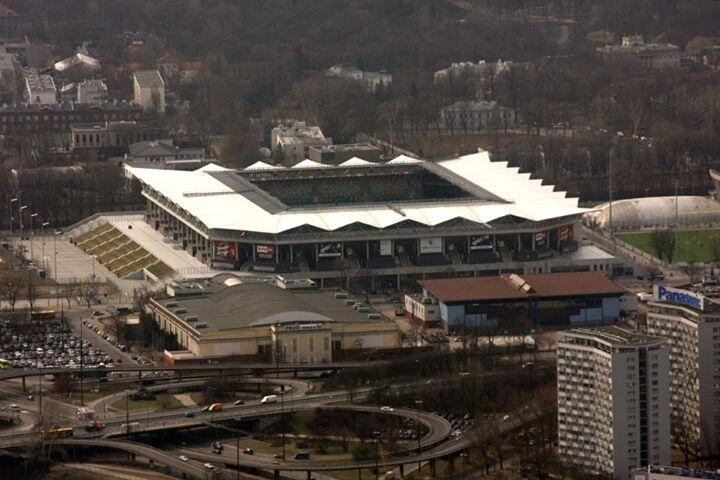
(613, 243)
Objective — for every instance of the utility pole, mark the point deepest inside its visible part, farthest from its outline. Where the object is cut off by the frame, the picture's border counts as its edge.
(677, 217)
(82, 347)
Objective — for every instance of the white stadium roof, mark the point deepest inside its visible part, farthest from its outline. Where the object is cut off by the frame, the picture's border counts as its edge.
(219, 206)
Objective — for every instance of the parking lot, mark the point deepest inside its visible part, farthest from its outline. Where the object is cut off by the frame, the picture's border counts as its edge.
(40, 344)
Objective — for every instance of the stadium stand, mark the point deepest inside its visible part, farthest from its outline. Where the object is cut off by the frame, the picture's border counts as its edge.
(118, 253)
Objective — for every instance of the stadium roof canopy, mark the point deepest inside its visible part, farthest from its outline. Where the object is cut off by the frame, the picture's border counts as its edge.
(231, 200)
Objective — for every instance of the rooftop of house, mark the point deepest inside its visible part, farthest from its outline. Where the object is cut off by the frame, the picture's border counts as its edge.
(148, 79)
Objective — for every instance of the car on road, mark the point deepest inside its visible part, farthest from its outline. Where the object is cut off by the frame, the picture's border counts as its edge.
(209, 466)
(249, 451)
(387, 409)
(269, 399)
(14, 407)
(184, 458)
(239, 402)
(302, 455)
(189, 414)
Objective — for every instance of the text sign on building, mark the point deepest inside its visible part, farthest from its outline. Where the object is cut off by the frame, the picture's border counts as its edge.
(385, 247)
(302, 326)
(676, 295)
(265, 251)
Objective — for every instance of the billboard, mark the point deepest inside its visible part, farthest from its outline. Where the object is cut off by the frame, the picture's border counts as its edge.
(385, 247)
(541, 240)
(226, 250)
(333, 249)
(430, 245)
(265, 251)
(676, 295)
(481, 242)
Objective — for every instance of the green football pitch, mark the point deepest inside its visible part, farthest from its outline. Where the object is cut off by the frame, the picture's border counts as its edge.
(693, 245)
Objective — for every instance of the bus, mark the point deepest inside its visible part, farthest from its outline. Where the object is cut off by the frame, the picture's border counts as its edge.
(130, 427)
(43, 315)
(58, 433)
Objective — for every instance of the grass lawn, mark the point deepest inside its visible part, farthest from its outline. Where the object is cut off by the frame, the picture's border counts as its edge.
(162, 401)
(693, 245)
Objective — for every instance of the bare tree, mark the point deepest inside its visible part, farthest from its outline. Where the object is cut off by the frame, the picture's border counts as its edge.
(11, 288)
(88, 292)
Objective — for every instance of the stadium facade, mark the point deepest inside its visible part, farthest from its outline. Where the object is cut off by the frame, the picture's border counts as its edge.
(384, 222)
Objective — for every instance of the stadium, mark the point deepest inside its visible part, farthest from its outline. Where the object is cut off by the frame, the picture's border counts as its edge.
(381, 221)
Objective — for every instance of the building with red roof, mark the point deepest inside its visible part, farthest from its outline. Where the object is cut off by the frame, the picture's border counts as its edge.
(511, 300)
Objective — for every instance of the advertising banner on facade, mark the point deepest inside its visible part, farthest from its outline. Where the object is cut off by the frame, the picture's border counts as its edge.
(227, 250)
(676, 295)
(481, 242)
(430, 245)
(541, 240)
(265, 251)
(385, 247)
(333, 249)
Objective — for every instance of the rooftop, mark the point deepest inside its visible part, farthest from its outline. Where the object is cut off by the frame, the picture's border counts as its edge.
(37, 82)
(78, 59)
(71, 106)
(492, 190)
(345, 147)
(516, 287)
(614, 336)
(160, 148)
(259, 304)
(148, 78)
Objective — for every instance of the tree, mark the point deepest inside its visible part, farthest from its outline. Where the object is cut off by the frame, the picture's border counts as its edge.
(663, 244)
(88, 293)
(69, 292)
(11, 287)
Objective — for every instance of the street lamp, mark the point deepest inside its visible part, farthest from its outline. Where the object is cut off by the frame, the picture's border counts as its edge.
(20, 219)
(42, 237)
(12, 200)
(32, 216)
(92, 259)
(55, 271)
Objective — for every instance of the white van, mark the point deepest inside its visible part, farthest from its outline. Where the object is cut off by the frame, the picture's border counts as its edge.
(269, 399)
(644, 297)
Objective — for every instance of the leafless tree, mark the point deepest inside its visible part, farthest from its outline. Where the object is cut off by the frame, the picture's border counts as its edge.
(12, 287)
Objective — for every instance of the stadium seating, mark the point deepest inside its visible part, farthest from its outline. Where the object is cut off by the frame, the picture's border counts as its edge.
(381, 262)
(118, 253)
(431, 260)
(483, 257)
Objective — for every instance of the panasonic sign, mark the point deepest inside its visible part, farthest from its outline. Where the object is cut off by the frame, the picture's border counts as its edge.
(675, 295)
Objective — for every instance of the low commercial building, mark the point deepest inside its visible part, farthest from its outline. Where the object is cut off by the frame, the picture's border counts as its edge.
(149, 90)
(59, 117)
(111, 135)
(691, 323)
(613, 401)
(290, 143)
(164, 154)
(291, 322)
(337, 154)
(572, 298)
(634, 50)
